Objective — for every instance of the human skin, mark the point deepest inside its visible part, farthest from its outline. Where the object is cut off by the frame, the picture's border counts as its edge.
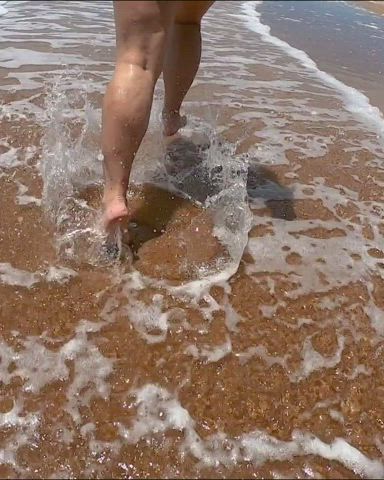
(152, 37)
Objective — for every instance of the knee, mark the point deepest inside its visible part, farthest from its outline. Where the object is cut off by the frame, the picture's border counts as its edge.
(140, 35)
(134, 59)
(138, 20)
(146, 54)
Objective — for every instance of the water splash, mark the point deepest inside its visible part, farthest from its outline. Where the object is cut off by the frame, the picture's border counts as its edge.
(197, 166)
(70, 163)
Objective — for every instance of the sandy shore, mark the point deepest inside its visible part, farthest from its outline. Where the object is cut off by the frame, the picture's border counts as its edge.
(372, 6)
(108, 370)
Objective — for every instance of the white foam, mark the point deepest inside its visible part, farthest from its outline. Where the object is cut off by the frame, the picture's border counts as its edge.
(359, 370)
(10, 158)
(14, 276)
(159, 411)
(354, 100)
(323, 263)
(21, 278)
(156, 412)
(338, 267)
(91, 372)
(368, 25)
(13, 417)
(24, 432)
(198, 289)
(39, 366)
(23, 199)
(210, 354)
(149, 320)
(64, 435)
(60, 274)
(153, 321)
(336, 415)
(261, 352)
(313, 360)
(325, 404)
(232, 318)
(11, 57)
(343, 452)
(3, 10)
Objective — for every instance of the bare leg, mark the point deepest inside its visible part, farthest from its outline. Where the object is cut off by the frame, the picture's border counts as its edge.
(141, 28)
(182, 61)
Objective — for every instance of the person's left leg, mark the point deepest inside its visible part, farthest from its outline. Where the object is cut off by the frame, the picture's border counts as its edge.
(182, 60)
(141, 28)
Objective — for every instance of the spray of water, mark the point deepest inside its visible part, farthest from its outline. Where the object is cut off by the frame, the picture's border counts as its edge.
(70, 164)
(197, 166)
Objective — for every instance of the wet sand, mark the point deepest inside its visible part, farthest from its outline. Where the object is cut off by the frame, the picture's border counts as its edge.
(374, 7)
(119, 370)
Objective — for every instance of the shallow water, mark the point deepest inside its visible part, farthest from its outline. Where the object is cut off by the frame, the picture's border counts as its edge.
(246, 337)
(354, 55)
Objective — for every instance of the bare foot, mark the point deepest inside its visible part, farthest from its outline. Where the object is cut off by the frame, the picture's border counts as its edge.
(115, 216)
(115, 211)
(173, 122)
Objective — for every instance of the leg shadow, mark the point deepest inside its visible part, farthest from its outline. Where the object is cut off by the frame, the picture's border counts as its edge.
(186, 181)
(192, 183)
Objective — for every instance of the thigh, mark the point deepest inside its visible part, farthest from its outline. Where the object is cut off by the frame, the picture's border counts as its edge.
(141, 29)
(191, 11)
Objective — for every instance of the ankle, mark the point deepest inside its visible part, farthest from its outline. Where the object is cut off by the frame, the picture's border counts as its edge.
(169, 113)
(114, 192)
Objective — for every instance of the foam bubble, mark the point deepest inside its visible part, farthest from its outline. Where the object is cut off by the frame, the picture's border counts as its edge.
(25, 432)
(13, 417)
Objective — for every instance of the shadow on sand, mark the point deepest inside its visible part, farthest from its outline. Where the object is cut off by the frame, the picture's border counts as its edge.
(183, 165)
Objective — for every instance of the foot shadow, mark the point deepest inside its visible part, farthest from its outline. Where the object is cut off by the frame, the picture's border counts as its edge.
(183, 165)
(184, 159)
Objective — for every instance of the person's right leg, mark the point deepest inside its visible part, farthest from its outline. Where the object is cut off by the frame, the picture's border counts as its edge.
(182, 60)
(141, 28)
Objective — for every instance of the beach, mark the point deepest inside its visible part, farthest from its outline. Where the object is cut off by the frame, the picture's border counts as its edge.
(245, 337)
(372, 6)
